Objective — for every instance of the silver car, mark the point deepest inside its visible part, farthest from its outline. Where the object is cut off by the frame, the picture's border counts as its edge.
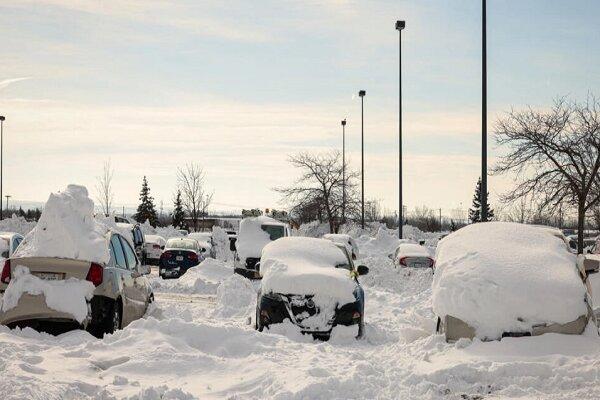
(122, 292)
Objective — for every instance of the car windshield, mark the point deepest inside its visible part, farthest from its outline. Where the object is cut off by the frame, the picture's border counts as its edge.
(347, 265)
(186, 244)
(275, 231)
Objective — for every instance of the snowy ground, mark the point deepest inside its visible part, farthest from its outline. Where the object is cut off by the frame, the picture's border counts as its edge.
(198, 342)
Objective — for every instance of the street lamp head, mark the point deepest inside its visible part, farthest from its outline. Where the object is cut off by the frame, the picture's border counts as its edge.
(362, 93)
(344, 122)
(2, 118)
(400, 25)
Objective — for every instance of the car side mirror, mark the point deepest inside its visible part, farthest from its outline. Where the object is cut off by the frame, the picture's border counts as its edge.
(362, 270)
(5, 254)
(203, 250)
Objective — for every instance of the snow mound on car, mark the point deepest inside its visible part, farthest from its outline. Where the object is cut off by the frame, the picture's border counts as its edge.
(67, 229)
(501, 277)
(295, 265)
(251, 238)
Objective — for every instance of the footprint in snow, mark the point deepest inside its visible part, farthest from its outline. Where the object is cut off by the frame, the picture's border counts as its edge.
(32, 369)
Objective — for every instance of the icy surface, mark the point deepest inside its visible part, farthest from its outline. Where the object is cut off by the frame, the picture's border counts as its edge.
(67, 296)
(67, 229)
(296, 265)
(502, 277)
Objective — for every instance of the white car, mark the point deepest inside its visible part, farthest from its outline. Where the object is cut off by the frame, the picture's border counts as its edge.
(501, 279)
(9, 241)
(204, 237)
(345, 240)
(413, 255)
(154, 247)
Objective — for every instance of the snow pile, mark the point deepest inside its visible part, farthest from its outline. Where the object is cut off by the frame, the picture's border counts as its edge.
(383, 244)
(345, 240)
(166, 232)
(501, 277)
(314, 229)
(155, 239)
(68, 296)
(251, 238)
(201, 279)
(221, 242)
(67, 229)
(236, 297)
(17, 224)
(296, 265)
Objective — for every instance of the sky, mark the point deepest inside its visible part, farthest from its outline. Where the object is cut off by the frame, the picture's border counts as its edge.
(238, 86)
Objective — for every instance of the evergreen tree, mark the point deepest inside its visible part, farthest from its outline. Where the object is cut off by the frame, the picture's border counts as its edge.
(178, 214)
(475, 210)
(146, 211)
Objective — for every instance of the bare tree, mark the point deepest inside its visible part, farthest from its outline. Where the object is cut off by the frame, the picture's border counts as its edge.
(104, 188)
(194, 196)
(555, 154)
(318, 192)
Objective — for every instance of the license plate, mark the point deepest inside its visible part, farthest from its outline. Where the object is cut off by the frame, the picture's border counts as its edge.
(49, 276)
(179, 258)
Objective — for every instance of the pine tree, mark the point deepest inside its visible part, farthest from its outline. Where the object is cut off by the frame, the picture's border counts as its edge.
(178, 214)
(146, 211)
(475, 210)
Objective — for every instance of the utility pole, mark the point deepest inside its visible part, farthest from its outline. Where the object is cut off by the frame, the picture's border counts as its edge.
(399, 26)
(344, 170)
(484, 189)
(362, 94)
(2, 118)
(8, 196)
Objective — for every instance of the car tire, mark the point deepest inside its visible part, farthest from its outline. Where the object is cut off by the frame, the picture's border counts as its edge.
(114, 317)
(257, 325)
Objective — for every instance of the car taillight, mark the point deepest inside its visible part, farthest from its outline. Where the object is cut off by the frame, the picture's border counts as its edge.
(5, 278)
(356, 315)
(95, 274)
(166, 254)
(432, 263)
(156, 246)
(403, 262)
(193, 256)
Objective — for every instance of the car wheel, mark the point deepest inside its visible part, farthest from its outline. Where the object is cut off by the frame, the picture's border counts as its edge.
(113, 317)
(257, 325)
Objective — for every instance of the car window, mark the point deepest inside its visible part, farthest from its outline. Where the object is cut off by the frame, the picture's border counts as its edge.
(16, 243)
(117, 252)
(187, 244)
(275, 231)
(129, 254)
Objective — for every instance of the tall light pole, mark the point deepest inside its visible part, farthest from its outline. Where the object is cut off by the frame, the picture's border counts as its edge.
(399, 26)
(8, 196)
(344, 170)
(362, 94)
(484, 190)
(2, 118)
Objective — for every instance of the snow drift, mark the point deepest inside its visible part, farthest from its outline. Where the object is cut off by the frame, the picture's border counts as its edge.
(501, 277)
(67, 229)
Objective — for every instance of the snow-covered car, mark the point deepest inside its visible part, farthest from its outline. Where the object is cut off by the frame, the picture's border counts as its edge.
(500, 279)
(345, 240)
(204, 237)
(154, 247)
(180, 255)
(136, 238)
(413, 255)
(312, 283)
(254, 234)
(72, 268)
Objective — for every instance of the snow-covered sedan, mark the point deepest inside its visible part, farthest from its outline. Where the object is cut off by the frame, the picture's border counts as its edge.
(311, 282)
(413, 255)
(154, 247)
(500, 279)
(180, 255)
(345, 240)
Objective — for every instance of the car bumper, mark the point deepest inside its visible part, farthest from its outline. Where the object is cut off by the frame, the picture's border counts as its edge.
(33, 307)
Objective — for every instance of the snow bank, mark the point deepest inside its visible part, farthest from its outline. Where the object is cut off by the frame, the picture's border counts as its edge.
(236, 297)
(501, 276)
(201, 279)
(222, 250)
(17, 224)
(251, 238)
(67, 296)
(383, 244)
(297, 265)
(67, 229)
(155, 239)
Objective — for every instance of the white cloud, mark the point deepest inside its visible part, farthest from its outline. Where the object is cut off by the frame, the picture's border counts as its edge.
(6, 82)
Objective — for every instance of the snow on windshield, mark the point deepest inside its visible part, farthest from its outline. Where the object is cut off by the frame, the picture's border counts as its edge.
(67, 229)
(296, 265)
(252, 237)
(501, 277)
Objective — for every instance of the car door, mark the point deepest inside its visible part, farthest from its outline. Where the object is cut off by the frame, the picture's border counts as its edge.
(139, 289)
(126, 280)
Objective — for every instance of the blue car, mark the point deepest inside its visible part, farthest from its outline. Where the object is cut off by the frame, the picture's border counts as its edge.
(180, 255)
(313, 283)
